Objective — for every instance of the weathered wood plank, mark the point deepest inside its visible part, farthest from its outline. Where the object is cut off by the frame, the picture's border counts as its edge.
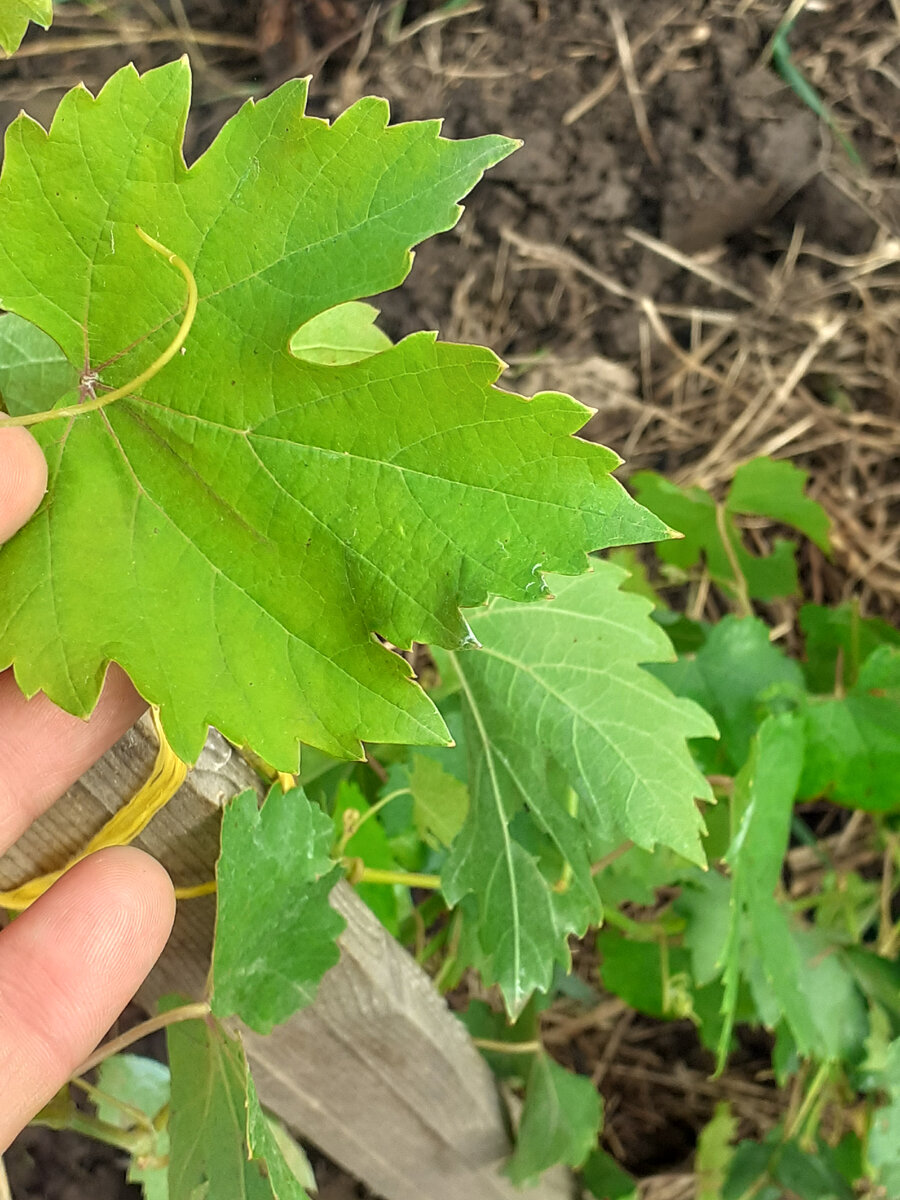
(377, 1072)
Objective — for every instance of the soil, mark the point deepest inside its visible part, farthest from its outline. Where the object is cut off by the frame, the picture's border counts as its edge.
(681, 243)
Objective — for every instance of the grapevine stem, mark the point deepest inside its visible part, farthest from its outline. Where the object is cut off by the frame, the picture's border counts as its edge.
(404, 878)
(128, 389)
(98, 1096)
(534, 1047)
(743, 606)
(819, 1080)
(357, 872)
(608, 859)
(351, 831)
(185, 1012)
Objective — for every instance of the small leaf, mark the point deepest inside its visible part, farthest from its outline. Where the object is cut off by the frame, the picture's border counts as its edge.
(560, 1121)
(440, 800)
(633, 970)
(275, 930)
(344, 334)
(572, 746)
(727, 677)
(34, 372)
(761, 487)
(762, 942)
(221, 1142)
(768, 488)
(706, 903)
(715, 1152)
(883, 1146)
(829, 632)
(144, 1084)
(141, 1082)
(294, 1155)
(14, 18)
(605, 1179)
(853, 743)
(810, 1175)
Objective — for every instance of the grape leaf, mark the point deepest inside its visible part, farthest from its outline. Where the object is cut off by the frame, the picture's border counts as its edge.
(760, 936)
(251, 518)
(829, 632)
(571, 739)
(221, 1141)
(715, 1152)
(144, 1084)
(440, 800)
(883, 1146)
(727, 676)
(763, 800)
(768, 488)
(34, 372)
(810, 1174)
(14, 18)
(761, 487)
(633, 971)
(560, 1121)
(275, 930)
(344, 334)
(853, 742)
(605, 1179)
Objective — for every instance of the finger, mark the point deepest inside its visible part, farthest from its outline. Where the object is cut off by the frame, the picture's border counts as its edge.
(68, 966)
(23, 479)
(43, 750)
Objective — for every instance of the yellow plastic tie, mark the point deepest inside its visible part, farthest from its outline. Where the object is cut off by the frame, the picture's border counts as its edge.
(123, 827)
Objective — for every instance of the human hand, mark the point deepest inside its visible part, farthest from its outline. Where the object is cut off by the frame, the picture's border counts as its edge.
(71, 962)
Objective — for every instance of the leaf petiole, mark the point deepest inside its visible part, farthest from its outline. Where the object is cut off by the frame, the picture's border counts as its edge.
(128, 389)
(357, 819)
(358, 872)
(184, 1012)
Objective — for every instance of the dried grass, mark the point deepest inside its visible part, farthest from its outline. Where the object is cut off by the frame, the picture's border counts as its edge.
(805, 365)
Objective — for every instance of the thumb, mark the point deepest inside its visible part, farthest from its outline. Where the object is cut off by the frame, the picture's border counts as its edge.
(23, 479)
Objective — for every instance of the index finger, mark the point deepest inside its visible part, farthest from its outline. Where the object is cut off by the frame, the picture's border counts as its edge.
(23, 479)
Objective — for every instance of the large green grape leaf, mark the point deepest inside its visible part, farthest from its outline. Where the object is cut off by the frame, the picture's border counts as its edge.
(234, 534)
(14, 18)
(275, 930)
(221, 1143)
(569, 739)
